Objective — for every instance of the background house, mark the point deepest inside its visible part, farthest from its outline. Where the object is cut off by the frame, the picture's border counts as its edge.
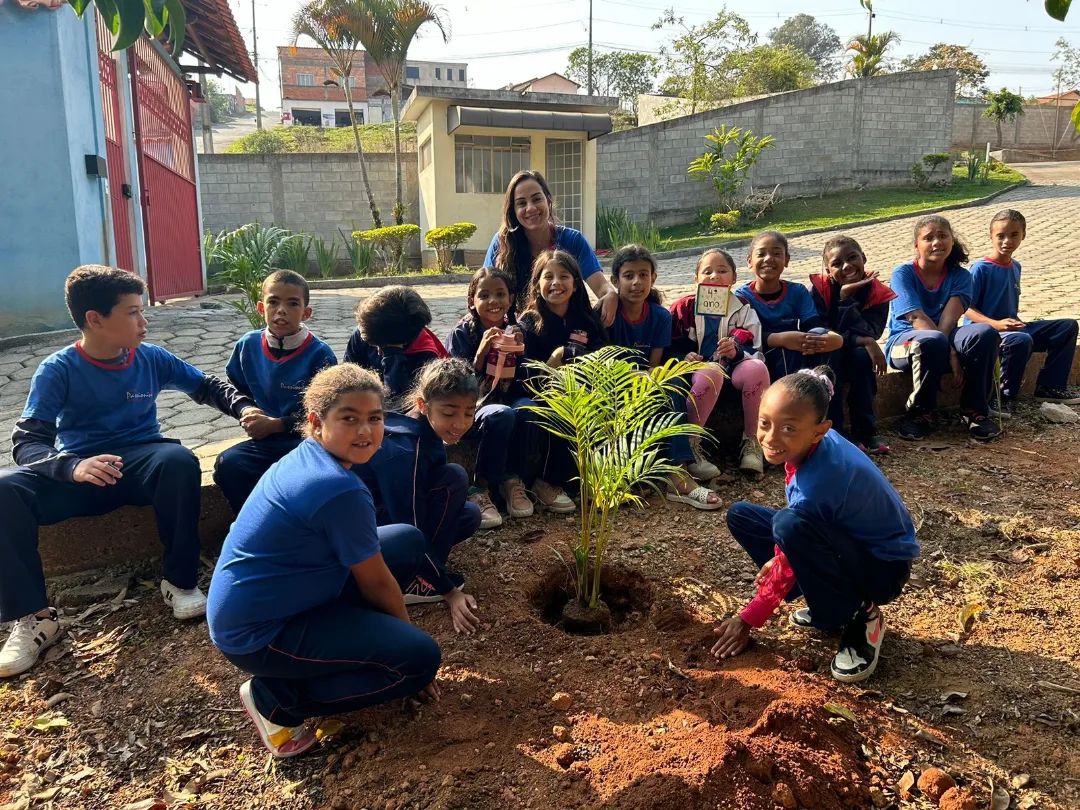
(471, 142)
(311, 92)
(551, 83)
(100, 156)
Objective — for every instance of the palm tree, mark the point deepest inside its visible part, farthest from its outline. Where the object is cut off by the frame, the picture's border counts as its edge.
(386, 29)
(333, 25)
(869, 50)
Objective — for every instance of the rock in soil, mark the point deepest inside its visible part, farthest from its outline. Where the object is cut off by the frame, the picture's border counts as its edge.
(561, 734)
(561, 701)
(933, 782)
(956, 799)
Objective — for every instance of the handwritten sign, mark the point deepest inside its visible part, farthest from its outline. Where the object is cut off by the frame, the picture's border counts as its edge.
(713, 299)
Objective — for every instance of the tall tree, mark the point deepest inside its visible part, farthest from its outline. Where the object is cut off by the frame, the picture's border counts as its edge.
(767, 69)
(386, 29)
(869, 53)
(1004, 107)
(1067, 60)
(624, 74)
(693, 57)
(816, 39)
(333, 25)
(971, 71)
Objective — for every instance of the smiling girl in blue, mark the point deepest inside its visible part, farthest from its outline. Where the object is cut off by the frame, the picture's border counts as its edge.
(307, 593)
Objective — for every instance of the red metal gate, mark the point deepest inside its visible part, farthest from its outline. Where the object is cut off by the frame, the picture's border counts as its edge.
(114, 151)
(167, 175)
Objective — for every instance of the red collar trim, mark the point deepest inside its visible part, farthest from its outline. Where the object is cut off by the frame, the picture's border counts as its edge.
(790, 469)
(294, 353)
(107, 366)
(752, 286)
(992, 260)
(426, 341)
(936, 287)
(641, 320)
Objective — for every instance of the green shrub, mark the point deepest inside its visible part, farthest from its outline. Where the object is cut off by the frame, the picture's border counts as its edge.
(447, 239)
(326, 255)
(295, 254)
(623, 230)
(361, 255)
(608, 220)
(919, 176)
(727, 171)
(724, 221)
(246, 256)
(389, 243)
(264, 142)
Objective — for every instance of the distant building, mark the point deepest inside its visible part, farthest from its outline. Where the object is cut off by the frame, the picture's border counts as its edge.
(1068, 99)
(551, 83)
(311, 93)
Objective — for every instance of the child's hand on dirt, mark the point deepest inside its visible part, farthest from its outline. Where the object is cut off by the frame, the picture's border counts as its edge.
(734, 636)
(461, 606)
(430, 693)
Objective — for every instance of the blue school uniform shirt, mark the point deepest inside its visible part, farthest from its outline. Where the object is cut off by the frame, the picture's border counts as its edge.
(277, 384)
(995, 289)
(792, 310)
(399, 473)
(838, 485)
(308, 521)
(912, 294)
(651, 331)
(562, 238)
(98, 407)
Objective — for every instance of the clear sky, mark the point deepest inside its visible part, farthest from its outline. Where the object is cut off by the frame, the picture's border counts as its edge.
(511, 40)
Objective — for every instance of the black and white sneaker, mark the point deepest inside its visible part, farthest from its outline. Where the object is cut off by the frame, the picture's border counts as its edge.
(980, 427)
(30, 636)
(916, 426)
(801, 619)
(1069, 395)
(421, 592)
(1006, 411)
(860, 645)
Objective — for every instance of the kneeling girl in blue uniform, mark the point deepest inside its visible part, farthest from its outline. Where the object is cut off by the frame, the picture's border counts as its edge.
(559, 325)
(489, 338)
(845, 541)
(306, 596)
(273, 366)
(643, 325)
(932, 292)
(412, 482)
(793, 335)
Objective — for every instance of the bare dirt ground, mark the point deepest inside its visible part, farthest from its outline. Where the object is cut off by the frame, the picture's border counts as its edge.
(979, 676)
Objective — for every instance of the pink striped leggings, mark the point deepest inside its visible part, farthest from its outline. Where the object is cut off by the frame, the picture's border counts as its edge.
(750, 377)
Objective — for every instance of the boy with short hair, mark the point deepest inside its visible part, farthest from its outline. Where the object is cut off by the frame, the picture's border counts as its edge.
(392, 338)
(273, 366)
(89, 442)
(996, 301)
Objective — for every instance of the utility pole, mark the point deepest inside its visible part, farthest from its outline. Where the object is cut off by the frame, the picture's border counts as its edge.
(207, 131)
(869, 6)
(1057, 116)
(255, 55)
(590, 49)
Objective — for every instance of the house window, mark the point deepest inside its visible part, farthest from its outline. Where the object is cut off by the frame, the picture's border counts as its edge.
(412, 72)
(461, 75)
(425, 154)
(563, 173)
(484, 164)
(350, 81)
(438, 73)
(305, 79)
(308, 118)
(449, 74)
(341, 118)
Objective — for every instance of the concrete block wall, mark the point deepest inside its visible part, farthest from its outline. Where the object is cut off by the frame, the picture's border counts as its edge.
(835, 136)
(312, 193)
(1034, 130)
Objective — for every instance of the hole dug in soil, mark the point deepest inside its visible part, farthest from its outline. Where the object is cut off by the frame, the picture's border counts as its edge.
(626, 596)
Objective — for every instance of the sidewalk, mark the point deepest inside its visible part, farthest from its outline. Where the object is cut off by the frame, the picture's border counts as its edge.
(205, 337)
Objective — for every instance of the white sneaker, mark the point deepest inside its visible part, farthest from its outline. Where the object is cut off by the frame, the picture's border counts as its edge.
(30, 637)
(750, 457)
(185, 604)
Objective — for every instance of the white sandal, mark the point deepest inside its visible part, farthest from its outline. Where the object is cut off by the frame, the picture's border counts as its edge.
(698, 498)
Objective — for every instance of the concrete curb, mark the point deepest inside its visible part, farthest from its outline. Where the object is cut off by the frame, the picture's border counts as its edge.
(59, 336)
(367, 283)
(745, 242)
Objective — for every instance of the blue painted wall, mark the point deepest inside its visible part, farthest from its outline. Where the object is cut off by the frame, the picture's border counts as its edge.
(52, 215)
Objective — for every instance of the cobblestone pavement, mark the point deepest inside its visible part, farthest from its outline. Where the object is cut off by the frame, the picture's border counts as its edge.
(205, 337)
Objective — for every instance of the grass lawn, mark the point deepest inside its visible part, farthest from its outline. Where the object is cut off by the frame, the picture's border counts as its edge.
(847, 206)
(296, 138)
